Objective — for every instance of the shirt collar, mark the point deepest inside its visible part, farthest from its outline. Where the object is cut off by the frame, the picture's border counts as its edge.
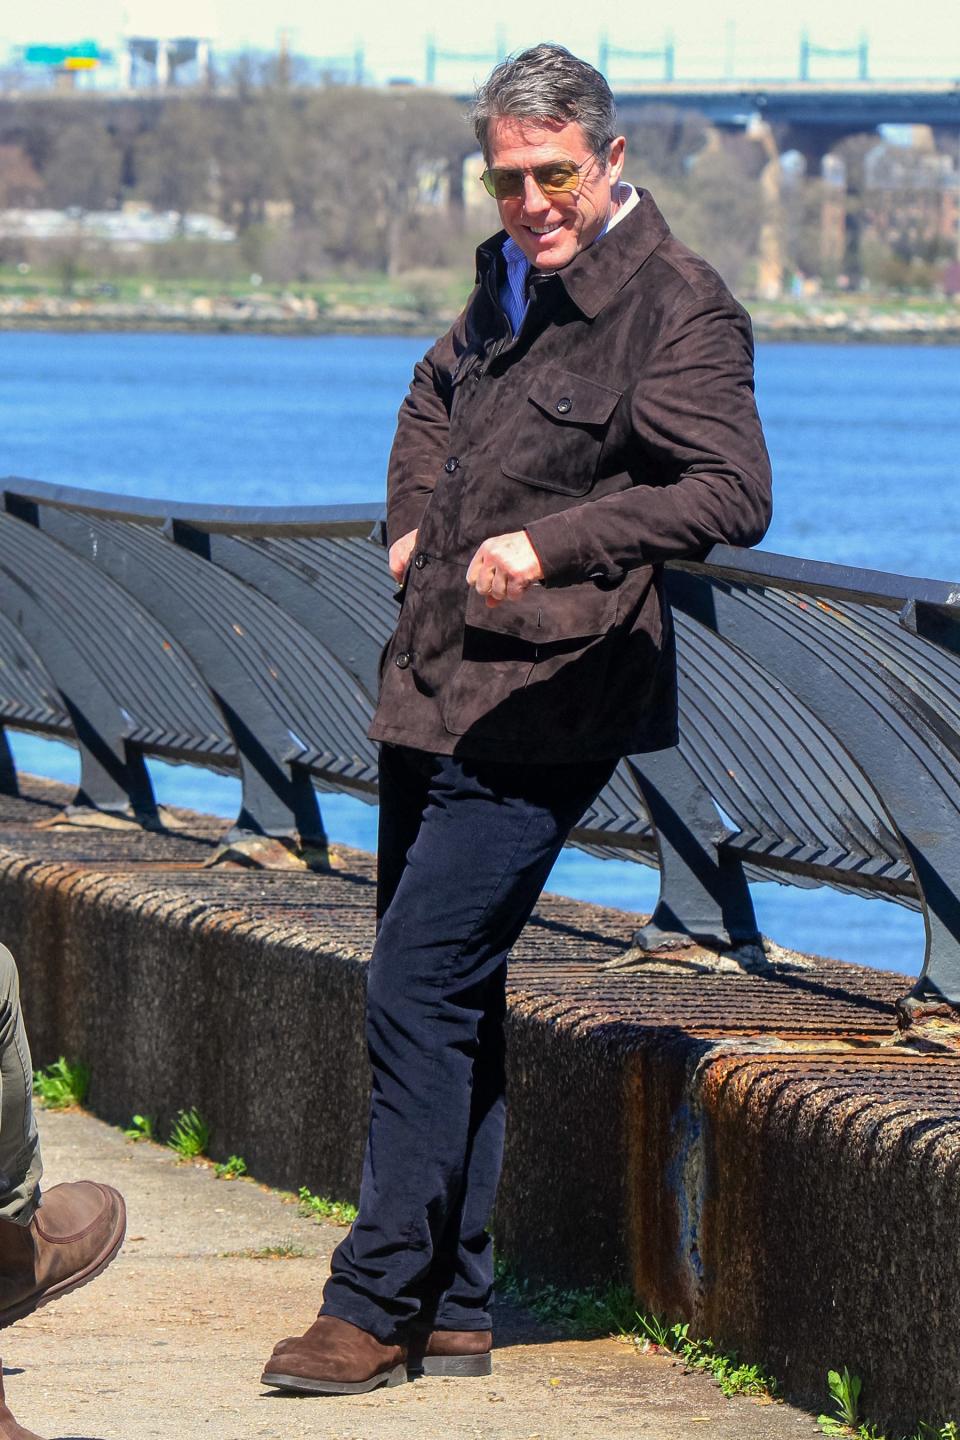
(629, 199)
(514, 256)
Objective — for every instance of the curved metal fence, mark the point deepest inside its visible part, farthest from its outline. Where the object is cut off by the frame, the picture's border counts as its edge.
(820, 724)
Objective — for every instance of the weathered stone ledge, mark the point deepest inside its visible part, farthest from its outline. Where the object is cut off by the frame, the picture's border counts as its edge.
(750, 1151)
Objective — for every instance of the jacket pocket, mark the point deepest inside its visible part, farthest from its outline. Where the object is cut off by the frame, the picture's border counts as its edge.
(560, 432)
(516, 654)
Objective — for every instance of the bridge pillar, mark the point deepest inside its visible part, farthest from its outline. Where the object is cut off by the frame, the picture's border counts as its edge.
(833, 215)
(772, 229)
(163, 64)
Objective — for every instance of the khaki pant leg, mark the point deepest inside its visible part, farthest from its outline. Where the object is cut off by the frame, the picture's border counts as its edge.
(20, 1163)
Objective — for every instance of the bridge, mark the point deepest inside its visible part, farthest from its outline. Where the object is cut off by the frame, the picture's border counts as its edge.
(807, 115)
(847, 104)
(821, 109)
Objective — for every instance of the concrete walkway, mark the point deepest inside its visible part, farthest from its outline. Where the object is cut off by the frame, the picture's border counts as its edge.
(170, 1341)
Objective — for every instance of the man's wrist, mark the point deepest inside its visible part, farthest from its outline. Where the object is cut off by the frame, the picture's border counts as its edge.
(543, 568)
(556, 548)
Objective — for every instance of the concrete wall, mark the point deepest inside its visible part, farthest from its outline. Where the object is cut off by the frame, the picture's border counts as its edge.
(795, 1197)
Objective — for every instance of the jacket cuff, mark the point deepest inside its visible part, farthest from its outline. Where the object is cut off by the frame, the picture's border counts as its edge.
(404, 517)
(557, 548)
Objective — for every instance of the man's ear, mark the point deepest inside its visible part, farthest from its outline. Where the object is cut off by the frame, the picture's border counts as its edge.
(618, 148)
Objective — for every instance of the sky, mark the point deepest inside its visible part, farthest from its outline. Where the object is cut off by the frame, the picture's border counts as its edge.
(744, 38)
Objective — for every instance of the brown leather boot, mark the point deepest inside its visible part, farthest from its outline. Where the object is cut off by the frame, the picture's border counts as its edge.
(75, 1233)
(9, 1429)
(451, 1352)
(335, 1358)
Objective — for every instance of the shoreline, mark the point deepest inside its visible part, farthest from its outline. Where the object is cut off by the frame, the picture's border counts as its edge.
(263, 316)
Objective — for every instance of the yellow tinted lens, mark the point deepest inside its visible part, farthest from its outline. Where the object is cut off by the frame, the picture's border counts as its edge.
(503, 184)
(555, 179)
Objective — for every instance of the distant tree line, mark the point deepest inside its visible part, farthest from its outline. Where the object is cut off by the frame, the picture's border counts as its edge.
(318, 178)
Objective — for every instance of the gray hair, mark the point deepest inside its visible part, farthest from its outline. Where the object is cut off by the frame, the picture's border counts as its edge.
(547, 83)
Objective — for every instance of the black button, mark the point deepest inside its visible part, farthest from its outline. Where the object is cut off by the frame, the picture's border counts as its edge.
(420, 561)
(402, 660)
(452, 464)
(564, 405)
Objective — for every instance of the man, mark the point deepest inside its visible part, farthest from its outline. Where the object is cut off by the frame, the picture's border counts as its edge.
(589, 415)
(49, 1244)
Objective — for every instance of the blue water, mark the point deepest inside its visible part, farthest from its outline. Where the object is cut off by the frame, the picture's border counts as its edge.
(864, 442)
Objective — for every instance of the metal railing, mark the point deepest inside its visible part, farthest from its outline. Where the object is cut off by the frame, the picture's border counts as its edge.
(820, 705)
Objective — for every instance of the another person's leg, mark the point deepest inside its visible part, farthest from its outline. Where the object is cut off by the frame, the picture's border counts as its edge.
(10, 1428)
(20, 1163)
(479, 856)
(54, 1242)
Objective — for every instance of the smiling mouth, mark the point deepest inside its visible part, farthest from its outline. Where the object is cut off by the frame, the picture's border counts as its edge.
(544, 229)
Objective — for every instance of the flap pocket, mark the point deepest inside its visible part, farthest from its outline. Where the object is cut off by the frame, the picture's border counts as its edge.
(542, 616)
(560, 432)
(571, 399)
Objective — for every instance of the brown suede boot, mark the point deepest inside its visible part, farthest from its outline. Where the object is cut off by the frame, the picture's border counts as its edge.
(9, 1429)
(75, 1233)
(335, 1358)
(450, 1352)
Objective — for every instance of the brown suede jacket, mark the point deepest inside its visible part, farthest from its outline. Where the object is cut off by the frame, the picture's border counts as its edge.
(619, 429)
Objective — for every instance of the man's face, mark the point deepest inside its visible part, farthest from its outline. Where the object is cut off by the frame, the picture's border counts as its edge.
(551, 230)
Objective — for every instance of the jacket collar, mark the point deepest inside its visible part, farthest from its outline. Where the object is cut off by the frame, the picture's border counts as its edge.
(596, 274)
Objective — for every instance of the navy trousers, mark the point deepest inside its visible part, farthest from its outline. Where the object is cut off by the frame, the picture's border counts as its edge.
(465, 848)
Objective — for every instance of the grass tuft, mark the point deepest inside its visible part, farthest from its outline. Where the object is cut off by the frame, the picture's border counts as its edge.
(190, 1135)
(586, 1314)
(320, 1207)
(844, 1390)
(653, 1332)
(231, 1169)
(62, 1085)
(141, 1127)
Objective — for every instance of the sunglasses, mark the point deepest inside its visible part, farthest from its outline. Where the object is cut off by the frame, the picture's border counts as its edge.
(554, 177)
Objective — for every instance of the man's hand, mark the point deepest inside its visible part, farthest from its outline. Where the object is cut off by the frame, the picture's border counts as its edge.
(504, 567)
(400, 552)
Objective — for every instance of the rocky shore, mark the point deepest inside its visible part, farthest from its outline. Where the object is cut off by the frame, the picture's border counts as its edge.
(290, 314)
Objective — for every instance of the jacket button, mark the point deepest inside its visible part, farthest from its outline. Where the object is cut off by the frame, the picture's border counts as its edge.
(420, 561)
(402, 660)
(564, 405)
(452, 464)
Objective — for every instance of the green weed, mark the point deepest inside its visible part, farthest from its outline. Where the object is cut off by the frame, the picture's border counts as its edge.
(141, 1127)
(845, 1393)
(659, 1333)
(585, 1314)
(190, 1135)
(62, 1085)
(231, 1169)
(845, 1390)
(733, 1377)
(320, 1207)
(723, 1367)
(285, 1250)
